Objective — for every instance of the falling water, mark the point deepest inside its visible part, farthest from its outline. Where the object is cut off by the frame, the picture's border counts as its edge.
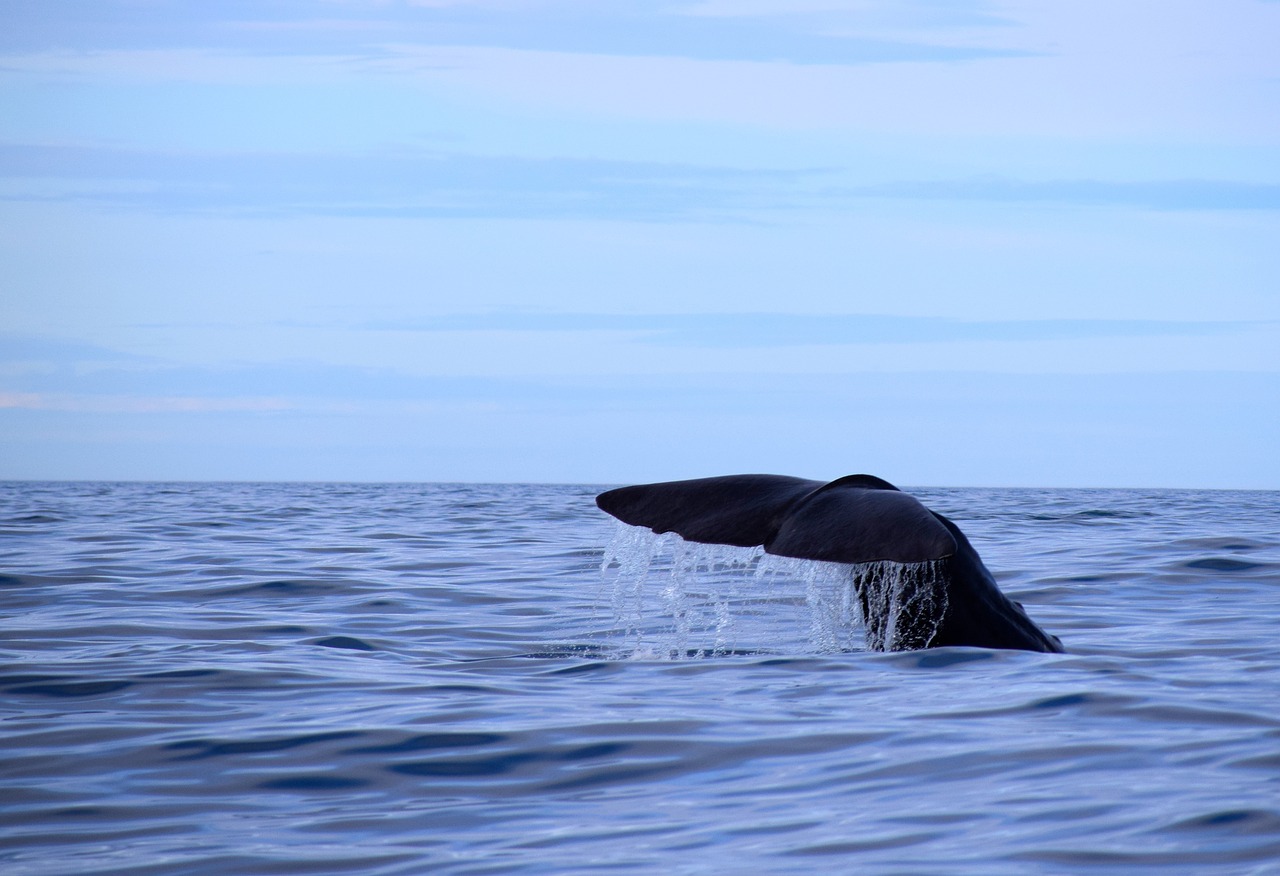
(672, 598)
(905, 603)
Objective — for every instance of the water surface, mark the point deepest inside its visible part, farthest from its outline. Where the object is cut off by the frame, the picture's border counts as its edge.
(410, 678)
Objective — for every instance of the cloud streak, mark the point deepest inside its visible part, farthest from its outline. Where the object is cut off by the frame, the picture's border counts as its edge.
(790, 329)
(419, 184)
(139, 404)
(626, 28)
(1175, 194)
(397, 185)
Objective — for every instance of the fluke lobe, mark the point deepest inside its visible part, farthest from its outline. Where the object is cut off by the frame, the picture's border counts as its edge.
(860, 520)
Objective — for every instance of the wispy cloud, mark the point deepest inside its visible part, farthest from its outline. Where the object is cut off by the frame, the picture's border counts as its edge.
(55, 377)
(1176, 194)
(824, 34)
(792, 329)
(441, 184)
(415, 185)
(135, 404)
(48, 375)
(30, 349)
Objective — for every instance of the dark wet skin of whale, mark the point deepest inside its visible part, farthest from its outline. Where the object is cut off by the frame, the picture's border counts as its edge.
(858, 520)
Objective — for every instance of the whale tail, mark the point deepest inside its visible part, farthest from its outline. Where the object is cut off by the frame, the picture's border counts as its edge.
(858, 520)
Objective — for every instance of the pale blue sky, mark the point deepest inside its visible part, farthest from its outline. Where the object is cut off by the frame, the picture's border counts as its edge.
(941, 241)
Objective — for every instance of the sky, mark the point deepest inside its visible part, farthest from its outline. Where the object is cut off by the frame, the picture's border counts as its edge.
(946, 242)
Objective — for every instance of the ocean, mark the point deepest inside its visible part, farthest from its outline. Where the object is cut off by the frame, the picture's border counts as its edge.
(478, 679)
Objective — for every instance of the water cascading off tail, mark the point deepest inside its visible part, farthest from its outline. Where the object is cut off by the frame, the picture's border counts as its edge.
(672, 598)
(903, 603)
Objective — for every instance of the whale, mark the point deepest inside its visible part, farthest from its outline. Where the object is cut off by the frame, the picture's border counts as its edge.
(918, 580)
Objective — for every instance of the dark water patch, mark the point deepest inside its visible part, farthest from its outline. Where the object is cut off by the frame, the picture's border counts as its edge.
(198, 749)
(1223, 564)
(105, 538)
(1243, 822)
(587, 668)
(185, 673)
(472, 768)
(314, 783)
(968, 766)
(937, 658)
(70, 689)
(566, 767)
(595, 750)
(1067, 814)
(79, 577)
(943, 657)
(431, 741)
(382, 603)
(1083, 702)
(617, 776)
(34, 518)
(1077, 699)
(782, 662)
(1184, 716)
(618, 756)
(468, 690)
(27, 678)
(1228, 543)
(774, 828)
(349, 643)
(1264, 762)
(80, 812)
(1189, 860)
(1090, 515)
(284, 587)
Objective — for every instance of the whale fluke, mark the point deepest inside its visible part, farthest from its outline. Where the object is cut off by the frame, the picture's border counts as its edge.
(858, 520)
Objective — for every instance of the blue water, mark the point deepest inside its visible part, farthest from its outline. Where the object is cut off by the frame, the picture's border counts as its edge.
(412, 678)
